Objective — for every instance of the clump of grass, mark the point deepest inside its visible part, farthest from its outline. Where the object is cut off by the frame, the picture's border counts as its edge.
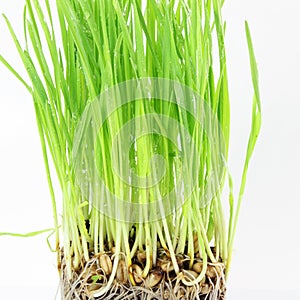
(181, 247)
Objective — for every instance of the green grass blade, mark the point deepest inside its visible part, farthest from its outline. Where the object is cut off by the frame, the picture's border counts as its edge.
(255, 129)
(15, 73)
(25, 235)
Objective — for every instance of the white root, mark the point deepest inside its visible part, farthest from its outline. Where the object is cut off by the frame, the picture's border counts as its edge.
(90, 283)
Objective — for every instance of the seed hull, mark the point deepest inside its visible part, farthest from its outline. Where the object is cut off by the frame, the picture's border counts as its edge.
(160, 284)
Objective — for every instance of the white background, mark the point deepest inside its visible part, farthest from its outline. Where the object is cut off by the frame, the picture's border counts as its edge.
(266, 260)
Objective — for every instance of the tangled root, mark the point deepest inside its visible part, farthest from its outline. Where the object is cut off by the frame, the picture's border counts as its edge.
(161, 283)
